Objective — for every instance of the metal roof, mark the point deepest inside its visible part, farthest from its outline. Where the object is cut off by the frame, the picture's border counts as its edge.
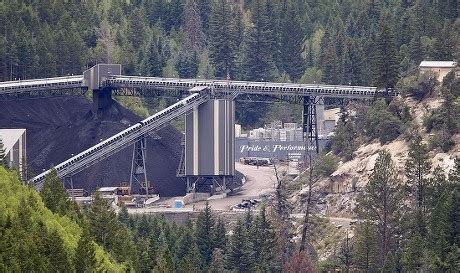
(106, 189)
(446, 64)
(10, 137)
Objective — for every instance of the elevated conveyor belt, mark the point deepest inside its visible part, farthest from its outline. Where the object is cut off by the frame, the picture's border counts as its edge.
(224, 87)
(119, 141)
(59, 83)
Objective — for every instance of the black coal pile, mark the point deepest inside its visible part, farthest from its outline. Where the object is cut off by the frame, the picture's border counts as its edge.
(61, 126)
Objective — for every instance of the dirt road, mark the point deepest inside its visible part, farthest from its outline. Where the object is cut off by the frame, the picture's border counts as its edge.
(259, 181)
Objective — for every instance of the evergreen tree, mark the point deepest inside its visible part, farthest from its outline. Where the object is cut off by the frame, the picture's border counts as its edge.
(85, 254)
(187, 65)
(204, 237)
(264, 243)
(194, 40)
(219, 236)
(418, 167)
(259, 62)
(416, 50)
(218, 261)
(54, 194)
(222, 40)
(365, 247)
(444, 45)
(240, 254)
(152, 62)
(123, 216)
(385, 58)
(329, 61)
(382, 203)
(291, 46)
(3, 160)
(59, 258)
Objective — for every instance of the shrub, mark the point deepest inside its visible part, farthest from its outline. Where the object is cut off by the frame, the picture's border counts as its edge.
(419, 86)
(443, 140)
(326, 164)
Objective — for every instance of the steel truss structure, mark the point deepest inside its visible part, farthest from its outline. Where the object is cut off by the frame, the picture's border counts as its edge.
(138, 165)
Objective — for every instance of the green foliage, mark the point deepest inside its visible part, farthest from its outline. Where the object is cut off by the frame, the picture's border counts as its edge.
(54, 194)
(205, 231)
(419, 86)
(85, 254)
(344, 141)
(223, 39)
(110, 233)
(365, 247)
(3, 160)
(32, 238)
(258, 58)
(382, 203)
(418, 166)
(385, 58)
(325, 164)
(240, 254)
(381, 123)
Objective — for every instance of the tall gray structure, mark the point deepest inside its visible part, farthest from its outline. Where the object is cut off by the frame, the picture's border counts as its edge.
(209, 143)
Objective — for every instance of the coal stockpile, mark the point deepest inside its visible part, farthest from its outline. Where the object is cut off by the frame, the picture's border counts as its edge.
(61, 126)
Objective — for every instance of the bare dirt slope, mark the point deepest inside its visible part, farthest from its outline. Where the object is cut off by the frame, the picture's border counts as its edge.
(61, 126)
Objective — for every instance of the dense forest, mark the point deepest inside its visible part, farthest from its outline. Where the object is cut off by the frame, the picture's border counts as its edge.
(365, 42)
(408, 220)
(411, 227)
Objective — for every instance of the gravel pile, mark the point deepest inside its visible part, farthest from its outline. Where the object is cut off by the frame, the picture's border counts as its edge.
(60, 126)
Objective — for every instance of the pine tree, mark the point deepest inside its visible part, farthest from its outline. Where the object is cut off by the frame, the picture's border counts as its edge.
(218, 261)
(205, 229)
(123, 216)
(416, 50)
(194, 40)
(85, 254)
(219, 236)
(417, 168)
(264, 243)
(103, 222)
(259, 62)
(3, 160)
(222, 40)
(59, 258)
(329, 60)
(292, 42)
(54, 194)
(187, 65)
(152, 62)
(382, 203)
(385, 73)
(165, 262)
(240, 254)
(365, 247)
(444, 45)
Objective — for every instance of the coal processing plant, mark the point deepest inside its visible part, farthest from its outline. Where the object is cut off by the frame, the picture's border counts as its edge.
(99, 143)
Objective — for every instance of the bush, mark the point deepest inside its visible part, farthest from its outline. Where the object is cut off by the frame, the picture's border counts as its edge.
(443, 140)
(381, 123)
(419, 86)
(326, 164)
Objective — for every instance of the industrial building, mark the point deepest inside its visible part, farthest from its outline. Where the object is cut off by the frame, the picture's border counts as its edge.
(442, 68)
(14, 144)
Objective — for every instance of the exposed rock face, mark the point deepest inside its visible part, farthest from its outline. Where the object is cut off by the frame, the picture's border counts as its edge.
(61, 126)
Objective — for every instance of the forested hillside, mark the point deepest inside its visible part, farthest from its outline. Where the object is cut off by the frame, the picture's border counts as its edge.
(366, 42)
(36, 238)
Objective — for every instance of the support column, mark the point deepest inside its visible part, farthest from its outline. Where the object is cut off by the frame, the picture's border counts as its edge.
(102, 98)
(138, 168)
(310, 124)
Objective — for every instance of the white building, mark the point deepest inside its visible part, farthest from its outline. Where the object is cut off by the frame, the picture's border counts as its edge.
(237, 130)
(442, 68)
(14, 144)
